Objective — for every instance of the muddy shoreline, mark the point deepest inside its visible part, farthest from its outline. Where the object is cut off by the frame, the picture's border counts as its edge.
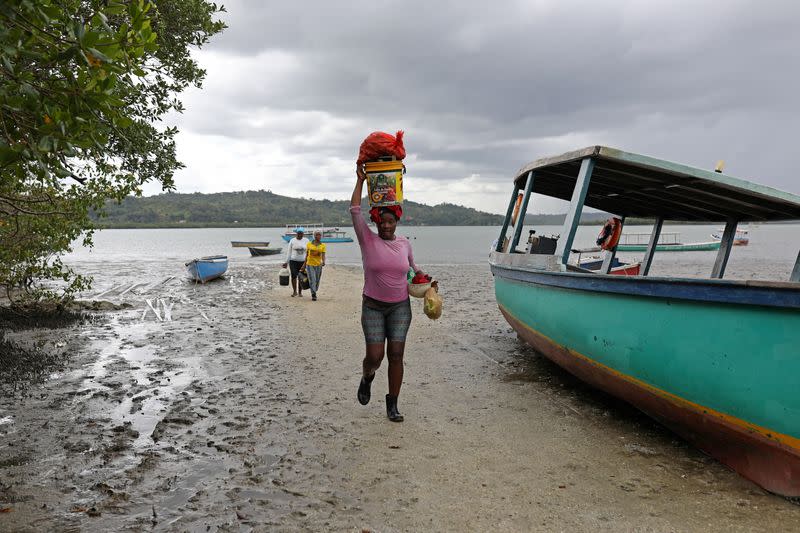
(238, 413)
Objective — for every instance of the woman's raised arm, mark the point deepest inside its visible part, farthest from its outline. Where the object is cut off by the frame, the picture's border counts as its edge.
(356, 198)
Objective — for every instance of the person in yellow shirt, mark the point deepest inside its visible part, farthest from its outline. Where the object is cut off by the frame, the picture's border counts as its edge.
(315, 260)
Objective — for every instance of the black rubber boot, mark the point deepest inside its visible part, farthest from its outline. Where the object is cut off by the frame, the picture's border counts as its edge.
(391, 409)
(364, 390)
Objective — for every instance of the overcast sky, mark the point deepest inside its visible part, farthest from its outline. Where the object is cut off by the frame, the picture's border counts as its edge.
(481, 88)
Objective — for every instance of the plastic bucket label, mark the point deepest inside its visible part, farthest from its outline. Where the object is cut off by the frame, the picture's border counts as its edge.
(384, 182)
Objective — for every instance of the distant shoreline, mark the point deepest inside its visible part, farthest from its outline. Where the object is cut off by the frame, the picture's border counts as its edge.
(221, 225)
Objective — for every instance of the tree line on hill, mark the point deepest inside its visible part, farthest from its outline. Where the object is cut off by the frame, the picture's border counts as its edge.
(265, 209)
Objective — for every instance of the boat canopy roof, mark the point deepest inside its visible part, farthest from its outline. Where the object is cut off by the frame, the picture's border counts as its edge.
(634, 185)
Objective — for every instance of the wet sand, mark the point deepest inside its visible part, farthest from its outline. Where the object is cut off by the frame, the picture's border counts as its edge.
(239, 414)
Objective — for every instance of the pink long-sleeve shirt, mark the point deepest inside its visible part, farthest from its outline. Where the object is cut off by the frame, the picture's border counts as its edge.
(385, 262)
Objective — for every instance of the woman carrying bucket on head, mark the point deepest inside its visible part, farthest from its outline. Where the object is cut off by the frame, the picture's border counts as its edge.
(385, 309)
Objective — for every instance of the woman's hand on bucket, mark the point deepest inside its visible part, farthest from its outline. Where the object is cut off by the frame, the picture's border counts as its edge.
(360, 173)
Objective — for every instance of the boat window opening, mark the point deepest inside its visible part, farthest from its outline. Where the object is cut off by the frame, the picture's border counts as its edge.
(502, 239)
(795, 276)
(655, 235)
(522, 212)
(575, 209)
(609, 255)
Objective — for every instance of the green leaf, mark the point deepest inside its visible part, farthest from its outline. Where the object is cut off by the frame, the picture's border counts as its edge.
(100, 55)
(28, 90)
(45, 144)
(90, 39)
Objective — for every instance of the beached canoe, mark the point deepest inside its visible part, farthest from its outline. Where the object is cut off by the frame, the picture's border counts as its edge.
(257, 252)
(248, 244)
(653, 341)
(207, 268)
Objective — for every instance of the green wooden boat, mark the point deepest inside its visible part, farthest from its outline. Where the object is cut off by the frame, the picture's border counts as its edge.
(651, 341)
(667, 242)
(683, 247)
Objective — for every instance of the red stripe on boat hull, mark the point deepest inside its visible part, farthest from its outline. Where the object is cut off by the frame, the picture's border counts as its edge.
(769, 463)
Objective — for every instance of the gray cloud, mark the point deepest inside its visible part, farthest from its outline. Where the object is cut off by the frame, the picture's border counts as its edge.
(481, 88)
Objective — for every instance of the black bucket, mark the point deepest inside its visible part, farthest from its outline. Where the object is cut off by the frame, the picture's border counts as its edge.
(283, 277)
(302, 279)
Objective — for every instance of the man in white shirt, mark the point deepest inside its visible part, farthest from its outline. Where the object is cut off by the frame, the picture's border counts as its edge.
(295, 257)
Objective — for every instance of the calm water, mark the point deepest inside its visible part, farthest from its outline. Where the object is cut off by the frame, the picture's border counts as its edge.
(771, 254)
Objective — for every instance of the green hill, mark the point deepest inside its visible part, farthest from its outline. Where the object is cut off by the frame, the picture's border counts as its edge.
(264, 208)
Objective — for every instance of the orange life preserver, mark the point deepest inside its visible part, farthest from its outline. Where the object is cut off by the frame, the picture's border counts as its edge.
(609, 235)
(517, 205)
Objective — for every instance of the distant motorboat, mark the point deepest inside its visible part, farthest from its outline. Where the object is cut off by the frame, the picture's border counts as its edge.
(205, 269)
(742, 237)
(257, 252)
(328, 234)
(248, 244)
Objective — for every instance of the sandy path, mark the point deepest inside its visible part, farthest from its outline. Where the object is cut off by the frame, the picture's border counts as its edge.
(252, 424)
(496, 437)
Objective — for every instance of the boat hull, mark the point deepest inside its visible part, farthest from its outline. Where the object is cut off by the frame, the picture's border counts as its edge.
(207, 269)
(732, 395)
(257, 252)
(686, 247)
(248, 244)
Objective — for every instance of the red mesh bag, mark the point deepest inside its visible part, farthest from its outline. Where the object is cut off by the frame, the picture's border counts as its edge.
(380, 144)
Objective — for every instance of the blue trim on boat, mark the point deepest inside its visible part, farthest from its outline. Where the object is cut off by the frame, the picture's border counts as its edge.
(724, 291)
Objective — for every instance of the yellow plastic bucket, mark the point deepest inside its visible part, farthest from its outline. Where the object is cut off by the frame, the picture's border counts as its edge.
(384, 182)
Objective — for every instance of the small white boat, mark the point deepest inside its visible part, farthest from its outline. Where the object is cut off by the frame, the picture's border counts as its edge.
(742, 237)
